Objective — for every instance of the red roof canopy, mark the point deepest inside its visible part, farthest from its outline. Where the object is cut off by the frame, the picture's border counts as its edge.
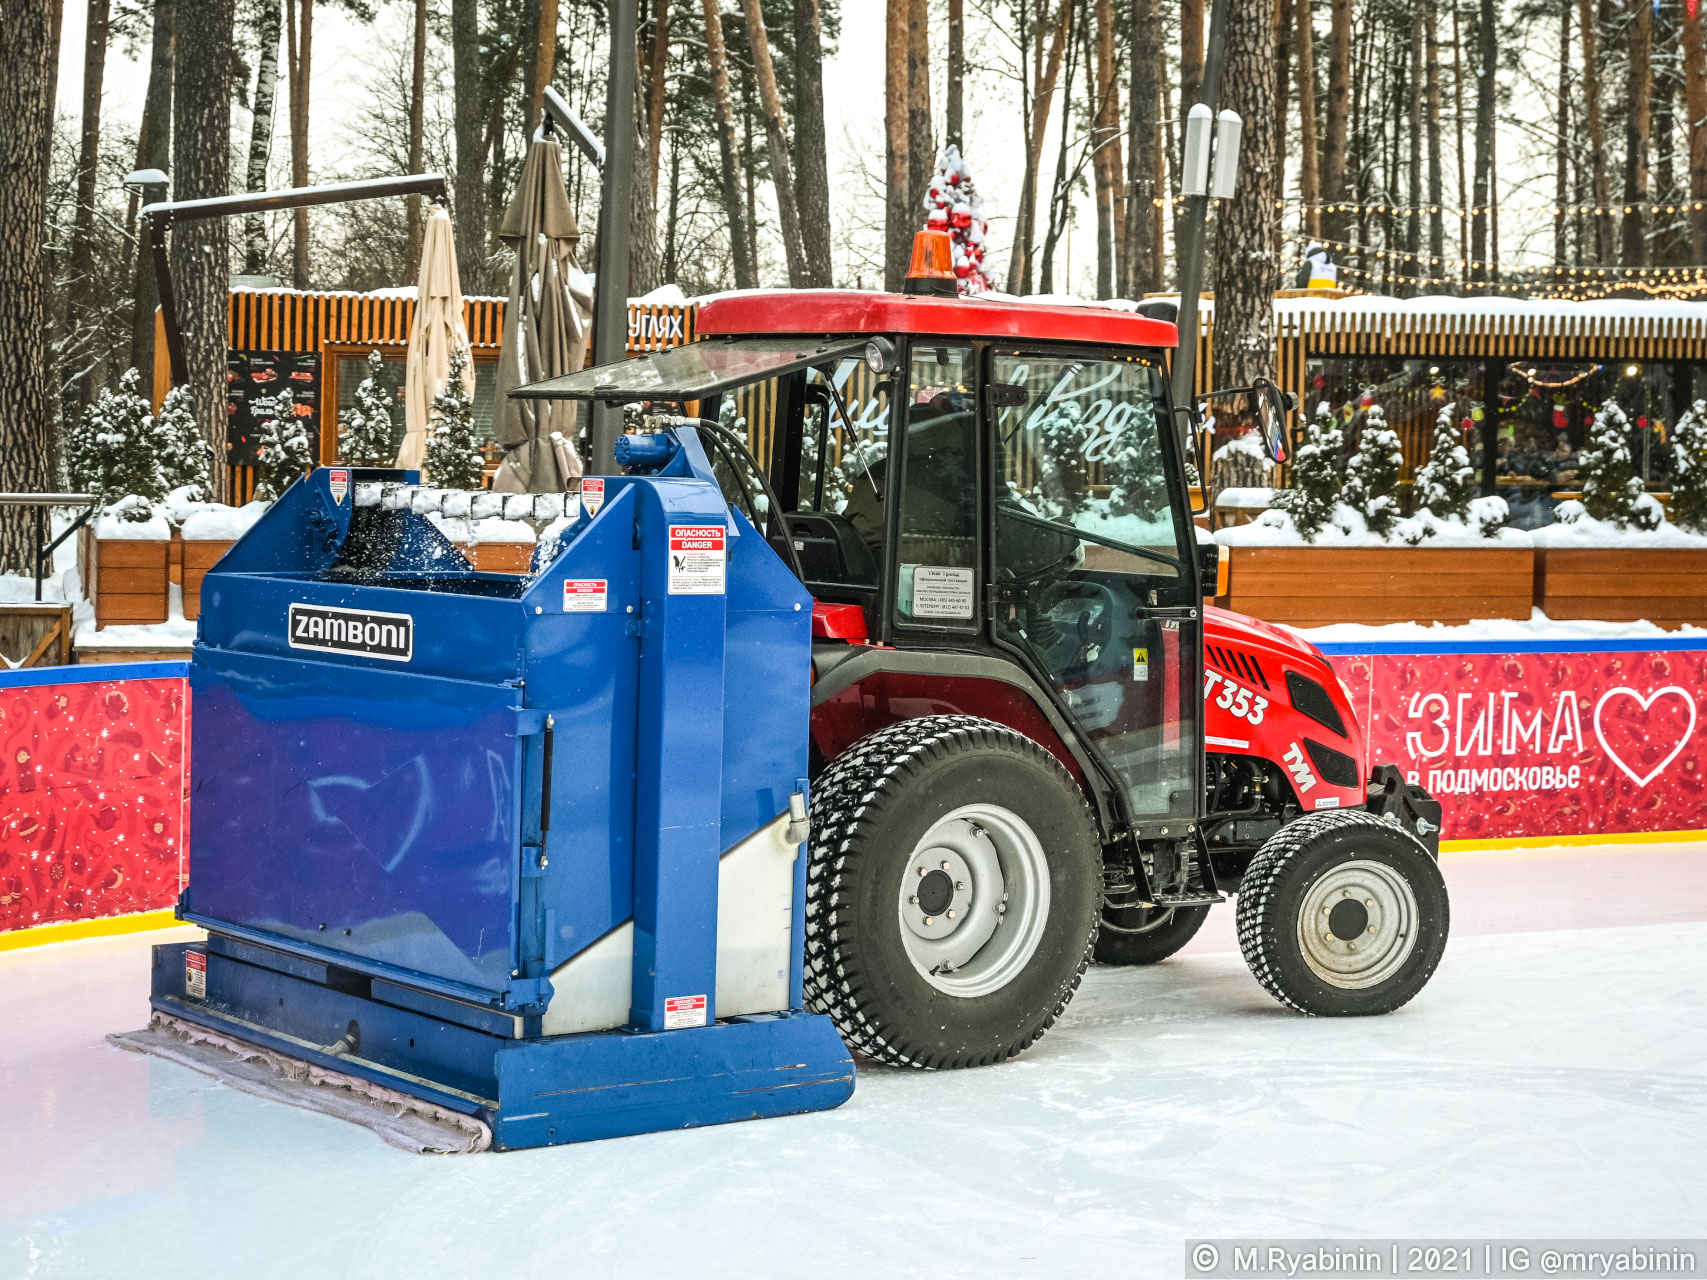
(837, 311)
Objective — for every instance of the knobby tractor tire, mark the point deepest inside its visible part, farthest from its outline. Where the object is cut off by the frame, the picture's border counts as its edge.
(1146, 935)
(1302, 915)
(870, 810)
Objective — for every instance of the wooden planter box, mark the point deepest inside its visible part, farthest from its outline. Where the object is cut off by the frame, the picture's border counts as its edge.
(199, 557)
(128, 580)
(1317, 586)
(1665, 585)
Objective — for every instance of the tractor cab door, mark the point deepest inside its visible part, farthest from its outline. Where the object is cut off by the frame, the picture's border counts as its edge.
(1093, 579)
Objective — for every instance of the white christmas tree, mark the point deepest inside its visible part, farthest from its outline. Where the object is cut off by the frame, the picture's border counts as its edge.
(111, 451)
(453, 450)
(185, 457)
(1444, 482)
(952, 205)
(369, 430)
(1372, 476)
(1689, 484)
(1315, 487)
(282, 448)
(1612, 491)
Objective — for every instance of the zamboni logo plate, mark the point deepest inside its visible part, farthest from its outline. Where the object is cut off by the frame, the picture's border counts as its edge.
(371, 635)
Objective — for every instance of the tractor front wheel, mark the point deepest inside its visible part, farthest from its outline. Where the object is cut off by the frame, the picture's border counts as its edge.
(1343, 914)
(952, 892)
(1146, 935)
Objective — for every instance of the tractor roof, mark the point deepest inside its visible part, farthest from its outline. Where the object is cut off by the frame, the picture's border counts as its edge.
(838, 311)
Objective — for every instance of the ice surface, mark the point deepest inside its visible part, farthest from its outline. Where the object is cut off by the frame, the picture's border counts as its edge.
(1544, 1083)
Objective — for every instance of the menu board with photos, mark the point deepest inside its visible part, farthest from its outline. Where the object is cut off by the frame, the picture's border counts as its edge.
(252, 379)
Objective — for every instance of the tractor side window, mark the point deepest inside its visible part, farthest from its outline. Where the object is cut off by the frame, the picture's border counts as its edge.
(938, 541)
(837, 517)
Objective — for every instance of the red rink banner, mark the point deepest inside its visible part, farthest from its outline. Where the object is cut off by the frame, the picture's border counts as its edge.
(1555, 740)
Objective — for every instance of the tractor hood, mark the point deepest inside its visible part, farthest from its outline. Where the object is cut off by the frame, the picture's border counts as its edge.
(1223, 626)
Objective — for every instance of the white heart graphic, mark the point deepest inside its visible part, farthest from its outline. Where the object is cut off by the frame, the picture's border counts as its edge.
(1646, 702)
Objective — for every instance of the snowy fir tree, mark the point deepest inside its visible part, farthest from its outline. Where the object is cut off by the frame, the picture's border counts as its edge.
(370, 429)
(1612, 491)
(1063, 473)
(282, 448)
(952, 205)
(1445, 481)
(185, 457)
(453, 449)
(1689, 480)
(111, 451)
(1315, 475)
(1372, 476)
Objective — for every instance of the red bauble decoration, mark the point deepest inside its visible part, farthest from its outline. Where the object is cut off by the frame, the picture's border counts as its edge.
(961, 219)
(938, 219)
(1642, 423)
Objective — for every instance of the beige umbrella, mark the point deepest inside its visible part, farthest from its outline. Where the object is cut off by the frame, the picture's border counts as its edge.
(437, 329)
(546, 322)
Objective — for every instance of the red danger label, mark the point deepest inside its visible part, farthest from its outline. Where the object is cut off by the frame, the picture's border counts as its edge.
(339, 482)
(697, 559)
(195, 975)
(592, 494)
(684, 1011)
(585, 595)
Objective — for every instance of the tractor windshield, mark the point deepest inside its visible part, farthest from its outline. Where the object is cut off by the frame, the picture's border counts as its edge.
(1090, 560)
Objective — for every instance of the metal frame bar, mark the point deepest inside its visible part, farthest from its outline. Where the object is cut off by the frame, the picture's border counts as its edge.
(162, 215)
(41, 502)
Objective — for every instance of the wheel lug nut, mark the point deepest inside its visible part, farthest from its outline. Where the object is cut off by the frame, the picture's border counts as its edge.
(923, 872)
(1370, 903)
(945, 865)
(914, 899)
(1372, 928)
(1352, 946)
(960, 886)
(1002, 909)
(928, 920)
(951, 914)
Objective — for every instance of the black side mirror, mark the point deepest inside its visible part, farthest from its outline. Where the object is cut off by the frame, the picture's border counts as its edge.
(1270, 405)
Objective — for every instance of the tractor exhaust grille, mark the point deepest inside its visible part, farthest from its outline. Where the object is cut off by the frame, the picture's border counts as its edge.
(1310, 699)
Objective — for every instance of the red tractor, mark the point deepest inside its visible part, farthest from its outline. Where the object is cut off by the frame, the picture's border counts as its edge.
(1032, 742)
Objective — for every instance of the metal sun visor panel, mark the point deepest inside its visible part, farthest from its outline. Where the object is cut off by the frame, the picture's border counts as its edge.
(693, 371)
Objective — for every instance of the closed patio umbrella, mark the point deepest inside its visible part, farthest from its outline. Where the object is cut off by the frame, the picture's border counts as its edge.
(436, 330)
(546, 323)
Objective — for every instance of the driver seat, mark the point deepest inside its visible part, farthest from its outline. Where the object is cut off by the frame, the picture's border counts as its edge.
(831, 550)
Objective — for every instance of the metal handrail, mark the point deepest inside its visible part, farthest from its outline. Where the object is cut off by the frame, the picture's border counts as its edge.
(41, 502)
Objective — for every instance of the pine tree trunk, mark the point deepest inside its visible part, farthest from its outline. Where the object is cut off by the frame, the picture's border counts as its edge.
(1562, 146)
(672, 219)
(1105, 141)
(544, 61)
(1695, 99)
(1633, 249)
(50, 95)
(1142, 259)
(1309, 153)
(1662, 237)
(417, 141)
(812, 173)
(655, 85)
(83, 299)
(1247, 258)
(1059, 197)
(645, 267)
(153, 151)
(1414, 222)
(1458, 119)
(1020, 268)
(955, 108)
(469, 187)
(299, 55)
(1436, 184)
(921, 143)
(1190, 54)
(1487, 45)
(729, 167)
(261, 135)
(26, 442)
(201, 145)
(898, 210)
(776, 135)
(1588, 22)
(1338, 118)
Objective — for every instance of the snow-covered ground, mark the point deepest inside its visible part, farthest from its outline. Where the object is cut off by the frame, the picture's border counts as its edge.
(1552, 1080)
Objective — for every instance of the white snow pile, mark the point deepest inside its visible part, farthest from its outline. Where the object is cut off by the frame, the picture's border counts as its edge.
(1538, 626)
(1575, 528)
(1348, 528)
(216, 522)
(133, 519)
(1245, 499)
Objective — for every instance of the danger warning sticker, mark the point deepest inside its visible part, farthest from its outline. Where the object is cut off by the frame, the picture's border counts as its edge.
(592, 494)
(195, 975)
(339, 482)
(585, 595)
(697, 560)
(684, 1011)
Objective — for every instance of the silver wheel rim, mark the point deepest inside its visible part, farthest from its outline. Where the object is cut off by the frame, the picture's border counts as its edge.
(974, 900)
(1378, 901)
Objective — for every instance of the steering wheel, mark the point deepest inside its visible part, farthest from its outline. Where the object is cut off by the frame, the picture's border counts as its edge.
(1084, 613)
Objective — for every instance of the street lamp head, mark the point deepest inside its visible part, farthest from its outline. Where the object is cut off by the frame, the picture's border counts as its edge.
(1194, 173)
(150, 184)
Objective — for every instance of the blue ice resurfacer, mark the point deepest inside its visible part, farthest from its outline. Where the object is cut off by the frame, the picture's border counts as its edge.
(523, 854)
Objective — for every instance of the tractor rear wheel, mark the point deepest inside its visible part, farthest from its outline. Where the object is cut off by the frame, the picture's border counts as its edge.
(1343, 914)
(1146, 935)
(952, 892)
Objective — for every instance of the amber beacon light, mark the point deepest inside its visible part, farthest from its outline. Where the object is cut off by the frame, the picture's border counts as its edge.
(932, 269)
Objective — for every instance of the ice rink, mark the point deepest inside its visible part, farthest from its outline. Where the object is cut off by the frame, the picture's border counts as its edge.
(1552, 1080)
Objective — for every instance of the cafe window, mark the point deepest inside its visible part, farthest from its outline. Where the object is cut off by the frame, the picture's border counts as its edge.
(347, 366)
